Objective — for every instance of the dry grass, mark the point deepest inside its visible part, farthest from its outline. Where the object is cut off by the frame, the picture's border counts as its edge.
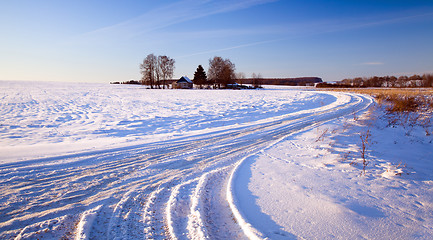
(403, 106)
(321, 134)
(422, 96)
(389, 91)
(364, 144)
(402, 100)
(414, 98)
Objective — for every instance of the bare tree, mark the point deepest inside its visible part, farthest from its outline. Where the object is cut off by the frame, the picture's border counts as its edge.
(166, 69)
(240, 77)
(154, 69)
(257, 80)
(221, 72)
(215, 68)
(427, 80)
(148, 69)
(228, 73)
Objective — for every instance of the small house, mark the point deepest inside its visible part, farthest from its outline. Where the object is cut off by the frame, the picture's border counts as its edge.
(183, 83)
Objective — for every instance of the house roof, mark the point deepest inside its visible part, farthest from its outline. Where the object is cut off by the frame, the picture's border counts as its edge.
(184, 79)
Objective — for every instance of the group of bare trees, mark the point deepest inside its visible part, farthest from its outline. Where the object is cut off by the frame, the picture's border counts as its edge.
(221, 73)
(425, 80)
(157, 70)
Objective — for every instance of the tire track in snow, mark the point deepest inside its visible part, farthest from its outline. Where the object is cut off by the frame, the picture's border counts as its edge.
(178, 209)
(173, 189)
(249, 230)
(195, 226)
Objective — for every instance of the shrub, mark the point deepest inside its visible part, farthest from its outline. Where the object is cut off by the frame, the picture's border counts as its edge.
(402, 104)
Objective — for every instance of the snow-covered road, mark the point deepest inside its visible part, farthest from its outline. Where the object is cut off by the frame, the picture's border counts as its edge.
(175, 180)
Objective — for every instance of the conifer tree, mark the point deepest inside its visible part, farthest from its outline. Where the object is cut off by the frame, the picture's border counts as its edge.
(200, 77)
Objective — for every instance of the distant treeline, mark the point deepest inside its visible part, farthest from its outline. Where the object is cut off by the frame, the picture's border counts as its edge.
(170, 81)
(425, 80)
(301, 81)
(127, 82)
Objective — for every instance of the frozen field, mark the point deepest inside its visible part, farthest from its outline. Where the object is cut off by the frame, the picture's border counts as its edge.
(99, 161)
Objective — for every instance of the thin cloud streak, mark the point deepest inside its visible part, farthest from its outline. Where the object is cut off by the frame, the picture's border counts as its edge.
(169, 15)
(222, 33)
(372, 63)
(340, 25)
(230, 48)
(293, 31)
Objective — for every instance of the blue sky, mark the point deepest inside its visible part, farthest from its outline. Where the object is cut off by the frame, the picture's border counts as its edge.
(104, 41)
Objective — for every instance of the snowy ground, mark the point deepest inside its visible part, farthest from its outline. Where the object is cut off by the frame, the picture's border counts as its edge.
(96, 161)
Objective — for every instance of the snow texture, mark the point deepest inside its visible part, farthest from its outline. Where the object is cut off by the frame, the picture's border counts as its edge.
(99, 161)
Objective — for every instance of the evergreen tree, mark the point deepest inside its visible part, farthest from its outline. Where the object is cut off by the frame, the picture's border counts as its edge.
(200, 77)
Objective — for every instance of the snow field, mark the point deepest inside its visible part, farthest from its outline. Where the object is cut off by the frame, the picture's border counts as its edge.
(132, 169)
(121, 162)
(49, 119)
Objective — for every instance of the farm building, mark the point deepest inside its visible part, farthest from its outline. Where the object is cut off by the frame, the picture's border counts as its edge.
(183, 83)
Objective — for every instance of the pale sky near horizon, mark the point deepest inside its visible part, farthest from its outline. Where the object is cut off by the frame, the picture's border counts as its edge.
(106, 40)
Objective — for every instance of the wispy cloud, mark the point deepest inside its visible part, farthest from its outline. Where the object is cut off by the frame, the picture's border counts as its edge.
(169, 15)
(372, 63)
(151, 25)
(339, 25)
(230, 48)
(402, 17)
(250, 32)
(302, 29)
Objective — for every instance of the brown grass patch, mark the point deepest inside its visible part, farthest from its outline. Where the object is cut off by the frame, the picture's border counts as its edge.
(398, 99)
(402, 106)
